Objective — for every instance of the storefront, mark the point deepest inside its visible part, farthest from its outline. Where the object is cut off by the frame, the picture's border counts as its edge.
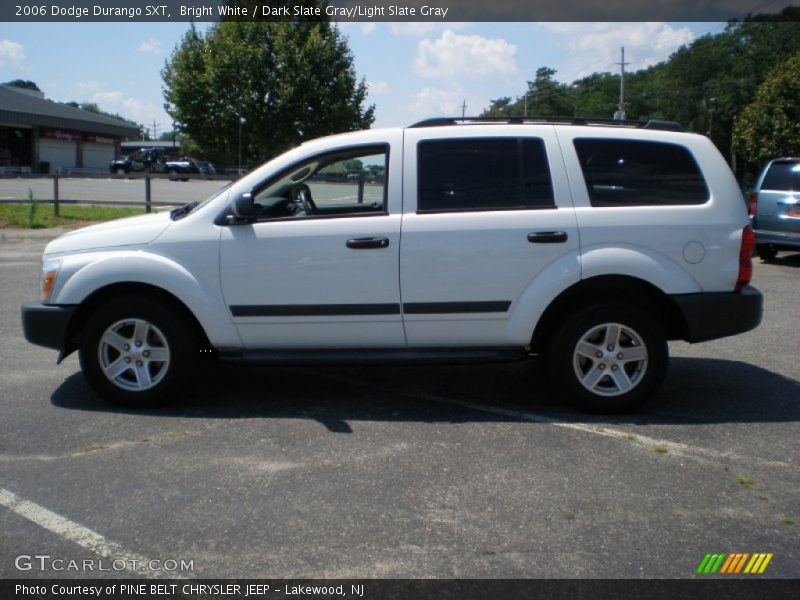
(41, 136)
(16, 147)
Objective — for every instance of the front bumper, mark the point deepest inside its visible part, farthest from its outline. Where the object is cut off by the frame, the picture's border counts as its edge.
(710, 316)
(46, 324)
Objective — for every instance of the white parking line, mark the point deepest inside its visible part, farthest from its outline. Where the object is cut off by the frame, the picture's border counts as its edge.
(695, 453)
(78, 534)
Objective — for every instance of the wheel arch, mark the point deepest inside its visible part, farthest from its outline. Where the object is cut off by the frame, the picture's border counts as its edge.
(624, 289)
(129, 289)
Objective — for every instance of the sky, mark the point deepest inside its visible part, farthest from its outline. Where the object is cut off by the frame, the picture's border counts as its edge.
(413, 70)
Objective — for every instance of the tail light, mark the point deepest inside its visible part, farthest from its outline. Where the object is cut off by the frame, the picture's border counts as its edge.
(745, 257)
(753, 204)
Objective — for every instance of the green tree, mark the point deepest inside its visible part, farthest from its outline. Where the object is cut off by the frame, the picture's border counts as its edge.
(500, 107)
(24, 84)
(770, 126)
(353, 164)
(92, 107)
(703, 85)
(546, 97)
(276, 84)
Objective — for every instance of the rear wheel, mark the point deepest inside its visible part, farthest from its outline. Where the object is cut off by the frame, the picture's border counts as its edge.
(136, 352)
(608, 358)
(766, 252)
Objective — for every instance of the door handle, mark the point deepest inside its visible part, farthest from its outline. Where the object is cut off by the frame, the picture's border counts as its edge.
(547, 237)
(371, 242)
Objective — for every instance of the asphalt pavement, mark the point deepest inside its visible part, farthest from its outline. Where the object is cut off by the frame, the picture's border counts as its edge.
(440, 471)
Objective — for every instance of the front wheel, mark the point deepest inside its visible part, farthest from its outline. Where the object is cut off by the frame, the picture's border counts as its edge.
(136, 352)
(608, 358)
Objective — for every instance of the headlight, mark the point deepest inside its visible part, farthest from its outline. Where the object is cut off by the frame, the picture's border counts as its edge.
(50, 271)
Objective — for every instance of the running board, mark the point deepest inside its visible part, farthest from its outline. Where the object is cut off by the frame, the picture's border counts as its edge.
(375, 356)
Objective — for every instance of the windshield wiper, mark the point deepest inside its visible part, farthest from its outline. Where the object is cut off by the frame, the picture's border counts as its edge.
(182, 211)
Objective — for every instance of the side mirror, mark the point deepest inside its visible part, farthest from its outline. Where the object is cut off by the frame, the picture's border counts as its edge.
(244, 206)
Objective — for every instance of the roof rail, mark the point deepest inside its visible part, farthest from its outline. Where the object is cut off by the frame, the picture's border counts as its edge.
(648, 124)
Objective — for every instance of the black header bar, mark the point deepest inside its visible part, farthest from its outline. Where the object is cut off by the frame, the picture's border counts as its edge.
(401, 589)
(379, 11)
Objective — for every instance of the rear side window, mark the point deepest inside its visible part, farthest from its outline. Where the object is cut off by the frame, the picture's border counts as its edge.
(782, 176)
(483, 174)
(637, 173)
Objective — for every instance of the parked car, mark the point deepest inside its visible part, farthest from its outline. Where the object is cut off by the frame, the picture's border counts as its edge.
(152, 160)
(185, 167)
(589, 245)
(775, 208)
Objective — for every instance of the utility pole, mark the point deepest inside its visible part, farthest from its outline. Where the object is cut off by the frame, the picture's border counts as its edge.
(464, 108)
(620, 114)
(241, 122)
(155, 129)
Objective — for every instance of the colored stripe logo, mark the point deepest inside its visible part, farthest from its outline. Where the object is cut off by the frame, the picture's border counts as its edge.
(732, 563)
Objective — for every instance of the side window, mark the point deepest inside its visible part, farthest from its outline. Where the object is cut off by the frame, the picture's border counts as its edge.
(639, 173)
(341, 183)
(483, 174)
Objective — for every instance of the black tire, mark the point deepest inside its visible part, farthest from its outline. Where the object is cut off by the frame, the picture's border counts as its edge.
(169, 329)
(592, 325)
(173, 175)
(766, 252)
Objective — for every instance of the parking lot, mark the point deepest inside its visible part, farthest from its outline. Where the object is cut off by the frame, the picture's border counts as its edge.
(446, 471)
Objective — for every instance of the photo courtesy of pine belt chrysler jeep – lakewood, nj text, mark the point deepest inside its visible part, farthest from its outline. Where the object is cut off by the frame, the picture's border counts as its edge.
(590, 244)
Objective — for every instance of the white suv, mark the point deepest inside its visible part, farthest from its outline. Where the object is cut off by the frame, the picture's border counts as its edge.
(590, 244)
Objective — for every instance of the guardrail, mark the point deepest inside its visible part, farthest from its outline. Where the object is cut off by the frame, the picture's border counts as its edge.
(15, 171)
(85, 171)
(78, 173)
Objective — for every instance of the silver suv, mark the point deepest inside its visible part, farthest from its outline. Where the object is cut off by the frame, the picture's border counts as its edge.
(775, 208)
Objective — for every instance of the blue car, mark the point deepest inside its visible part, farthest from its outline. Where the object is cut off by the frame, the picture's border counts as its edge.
(775, 208)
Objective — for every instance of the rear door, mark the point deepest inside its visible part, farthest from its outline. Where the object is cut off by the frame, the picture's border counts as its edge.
(485, 211)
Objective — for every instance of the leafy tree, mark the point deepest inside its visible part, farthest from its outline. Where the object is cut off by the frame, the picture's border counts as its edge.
(24, 84)
(353, 164)
(770, 126)
(546, 97)
(275, 84)
(500, 107)
(703, 85)
(92, 107)
(596, 95)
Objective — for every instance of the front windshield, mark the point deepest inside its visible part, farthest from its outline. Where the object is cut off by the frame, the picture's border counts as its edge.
(182, 211)
(214, 195)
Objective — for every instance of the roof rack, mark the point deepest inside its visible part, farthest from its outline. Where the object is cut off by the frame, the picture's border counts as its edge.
(648, 124)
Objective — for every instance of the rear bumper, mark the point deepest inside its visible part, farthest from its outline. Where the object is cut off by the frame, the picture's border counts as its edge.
(784, 239)
(710, 316)
(46, 324)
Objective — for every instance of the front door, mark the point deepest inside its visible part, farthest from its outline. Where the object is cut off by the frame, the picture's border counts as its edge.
(320, 266)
